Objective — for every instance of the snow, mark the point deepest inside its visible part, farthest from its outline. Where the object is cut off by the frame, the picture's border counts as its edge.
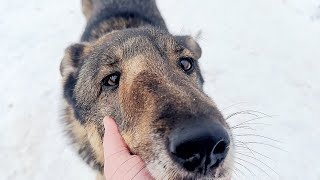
(257, 55)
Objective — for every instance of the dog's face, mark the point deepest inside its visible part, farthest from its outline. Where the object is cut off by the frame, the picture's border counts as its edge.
(150, 82)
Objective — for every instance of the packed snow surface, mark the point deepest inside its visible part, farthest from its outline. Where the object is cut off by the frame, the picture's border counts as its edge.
(260, 57)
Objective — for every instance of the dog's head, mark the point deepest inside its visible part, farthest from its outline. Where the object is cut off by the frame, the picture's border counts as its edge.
(150, 82)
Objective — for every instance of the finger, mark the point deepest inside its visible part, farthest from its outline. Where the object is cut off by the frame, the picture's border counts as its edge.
(118, 161)
(138, 172)
(125, 166)
(112, 141)
(112, 165)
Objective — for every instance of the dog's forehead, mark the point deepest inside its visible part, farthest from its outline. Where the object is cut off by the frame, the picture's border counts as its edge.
(123, 45)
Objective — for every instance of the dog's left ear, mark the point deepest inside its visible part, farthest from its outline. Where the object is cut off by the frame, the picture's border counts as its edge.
(191, 44)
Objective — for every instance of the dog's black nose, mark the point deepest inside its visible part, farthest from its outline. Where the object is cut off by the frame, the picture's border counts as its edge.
(199, 148)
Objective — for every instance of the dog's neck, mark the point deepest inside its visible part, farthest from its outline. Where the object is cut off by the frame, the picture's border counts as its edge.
(110, 15)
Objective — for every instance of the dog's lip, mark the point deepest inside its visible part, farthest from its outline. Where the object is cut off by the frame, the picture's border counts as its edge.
(215, 173)
(219, 173)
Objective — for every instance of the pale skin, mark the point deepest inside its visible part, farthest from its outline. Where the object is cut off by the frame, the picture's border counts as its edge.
(119, 163)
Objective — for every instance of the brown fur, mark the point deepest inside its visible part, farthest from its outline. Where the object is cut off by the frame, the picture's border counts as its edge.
(154, 95)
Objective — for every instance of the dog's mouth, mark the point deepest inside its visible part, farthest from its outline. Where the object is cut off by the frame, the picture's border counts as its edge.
(213, 170)
(174, 171)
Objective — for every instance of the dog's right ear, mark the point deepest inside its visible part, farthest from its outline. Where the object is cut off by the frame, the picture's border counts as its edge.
(73, 58)
(191, 44)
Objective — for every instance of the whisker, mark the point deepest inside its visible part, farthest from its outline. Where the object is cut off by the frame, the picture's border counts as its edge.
(250, 120)
(255, 166)
(252, 125)
(248, 112)
(235, 169)
(247, 126)
(235, 104)
(259, 112)
(243, 127)
(260, 162)
(256, 152)
(245, 146)
(238, 113)
(265, 124)
(265, 144)
(255, 135)
(245, 168)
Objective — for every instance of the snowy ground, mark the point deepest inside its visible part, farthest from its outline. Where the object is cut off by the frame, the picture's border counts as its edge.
(258, 55)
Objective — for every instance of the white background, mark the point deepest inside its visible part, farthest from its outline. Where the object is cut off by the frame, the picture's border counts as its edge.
(257, 55)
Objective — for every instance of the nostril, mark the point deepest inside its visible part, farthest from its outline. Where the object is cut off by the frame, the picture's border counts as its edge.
(199, 148)
(194, 158)
(220, 147)
(188, 153)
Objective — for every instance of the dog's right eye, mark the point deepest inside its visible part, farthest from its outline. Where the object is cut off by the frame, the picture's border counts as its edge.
(186, 64)
(111, 80)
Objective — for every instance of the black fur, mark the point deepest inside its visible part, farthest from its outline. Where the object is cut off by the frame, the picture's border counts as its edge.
(136, 19)
(87, 154)
(137, 12)
(68, 95)
(76, 52)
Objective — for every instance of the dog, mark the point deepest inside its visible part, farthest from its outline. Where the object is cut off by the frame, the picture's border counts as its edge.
(128, 66)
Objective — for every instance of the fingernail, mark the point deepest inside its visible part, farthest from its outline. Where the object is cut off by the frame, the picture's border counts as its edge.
(106, 121)
(109, 123)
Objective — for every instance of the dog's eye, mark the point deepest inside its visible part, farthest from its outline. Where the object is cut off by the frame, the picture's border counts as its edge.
(111, 80)
(186, 64)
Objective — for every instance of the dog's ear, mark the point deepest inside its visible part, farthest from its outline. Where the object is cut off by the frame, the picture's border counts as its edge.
(69, 68)
(73, 58)
(189, 43)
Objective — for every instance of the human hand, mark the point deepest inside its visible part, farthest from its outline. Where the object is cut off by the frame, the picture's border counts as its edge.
(118, 162)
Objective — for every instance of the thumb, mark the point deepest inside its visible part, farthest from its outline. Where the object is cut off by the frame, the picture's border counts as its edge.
(118, 163)
(112, 141)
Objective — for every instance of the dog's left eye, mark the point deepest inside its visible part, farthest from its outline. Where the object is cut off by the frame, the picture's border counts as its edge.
(186, 64)
(111, 80)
